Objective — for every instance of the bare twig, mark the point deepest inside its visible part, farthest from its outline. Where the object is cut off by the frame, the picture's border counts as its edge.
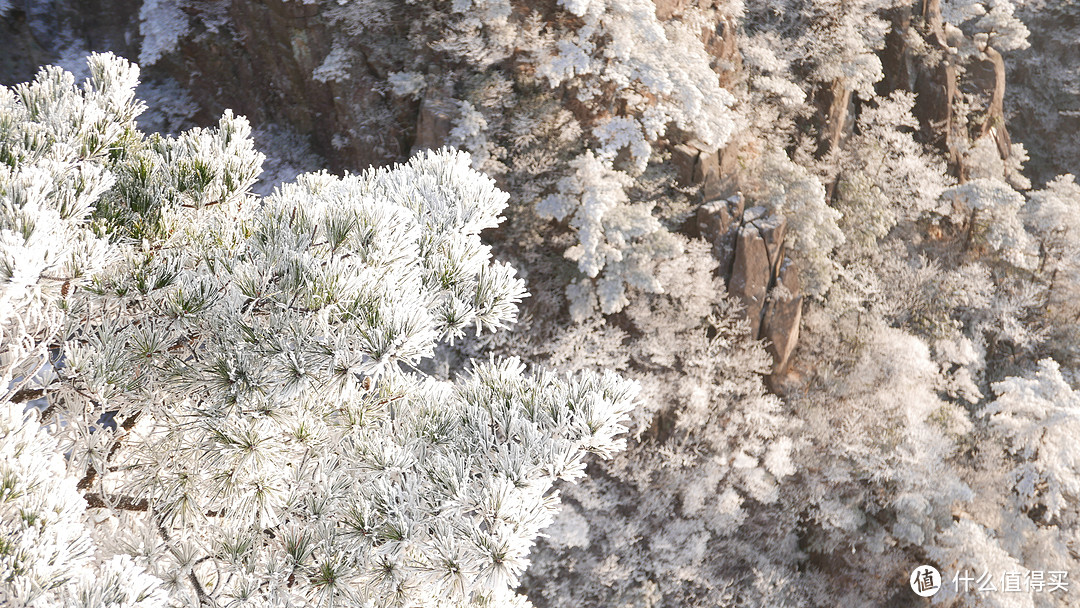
(123, 503)
(91, 472)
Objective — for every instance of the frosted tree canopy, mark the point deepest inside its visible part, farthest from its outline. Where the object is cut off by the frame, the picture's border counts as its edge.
(231, 408)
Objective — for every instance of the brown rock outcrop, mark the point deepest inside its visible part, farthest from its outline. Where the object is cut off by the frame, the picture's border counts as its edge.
(256, 58)
(707, 167)
(750, 247)
(726, 181)
(719, 221)
(772, 230)
(722, 44)
(782, 317)
(716, 171)
(263, 57)
(835, 108)
(684, 158)
(33, 34)
(1043, 107)
(666, 9)
(750, 274)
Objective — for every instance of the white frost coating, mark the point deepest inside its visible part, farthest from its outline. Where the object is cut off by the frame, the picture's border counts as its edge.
(1039, 414)
(597, 189)
(569, 529)
(778, 459)
(577, 7)
(46, 199)
(615, 57)
(47, 555)
(620, 239)
(162, 25)
(967, 546)
(622, 53)
(335, 67)
(994, 22)
(329, 282)
(621, 132)
(470, 133)
(994, 210)
(623, 45)
(760, 56)
(36, 490)
(406, 84)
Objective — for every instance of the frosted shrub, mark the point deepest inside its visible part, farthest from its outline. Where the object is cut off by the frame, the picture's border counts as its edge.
(843, 40)
(46, 553)
(994, 22)
(621, 50)
(993, 220)
(55, 143)
(272, 442)
(1051, 217)
(620, 56)
(887, 178)
(1040, 416)
(621, 239)
(790, 190)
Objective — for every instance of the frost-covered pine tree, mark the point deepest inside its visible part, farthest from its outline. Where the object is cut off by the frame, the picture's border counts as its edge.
(232, 412)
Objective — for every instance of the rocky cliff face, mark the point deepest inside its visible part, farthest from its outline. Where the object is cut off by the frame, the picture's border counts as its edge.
(275, 62)
(260, 59)
(1042, 101)
(749, 246)
(42, 32)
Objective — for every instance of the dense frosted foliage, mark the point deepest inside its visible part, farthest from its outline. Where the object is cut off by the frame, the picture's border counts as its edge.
(613, 55)
(1039, 418)
(271, 442)
(614, 235)
(48, 557)
(792, 248)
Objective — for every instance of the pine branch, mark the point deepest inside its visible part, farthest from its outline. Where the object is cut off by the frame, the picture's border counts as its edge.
(91, 473)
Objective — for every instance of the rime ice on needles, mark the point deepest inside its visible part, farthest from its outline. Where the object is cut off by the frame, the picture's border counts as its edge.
(275, 445)
(46, 554)
(55, 138)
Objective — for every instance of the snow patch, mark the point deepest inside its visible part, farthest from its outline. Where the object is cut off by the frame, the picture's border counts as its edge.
(162, 25)
(335, 67)
(288, 154)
